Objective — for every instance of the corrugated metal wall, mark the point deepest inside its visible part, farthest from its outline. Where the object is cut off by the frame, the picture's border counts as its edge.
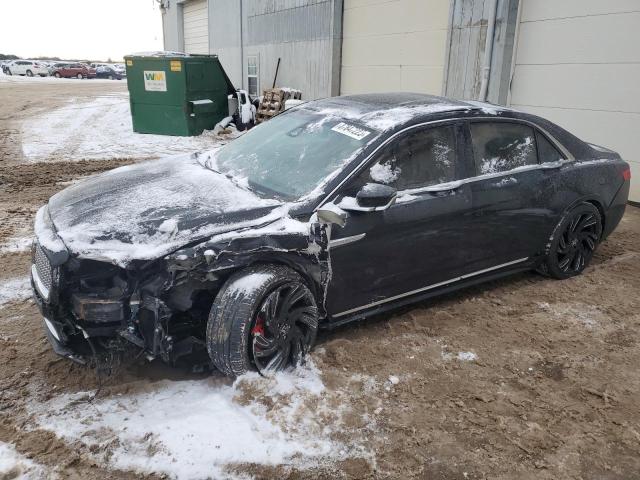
(467, 48)
(304, 34)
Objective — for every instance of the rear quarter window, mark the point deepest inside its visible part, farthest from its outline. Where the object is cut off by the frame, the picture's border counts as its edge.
(546, 151)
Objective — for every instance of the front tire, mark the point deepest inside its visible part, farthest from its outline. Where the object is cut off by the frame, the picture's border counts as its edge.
(264, 318)
(79, 76)
(574, 241)
(57, 75)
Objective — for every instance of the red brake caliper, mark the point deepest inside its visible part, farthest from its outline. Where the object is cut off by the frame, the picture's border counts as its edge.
(258, 328)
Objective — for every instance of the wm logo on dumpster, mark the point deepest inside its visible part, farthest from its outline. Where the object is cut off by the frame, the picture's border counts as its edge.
(155, 81)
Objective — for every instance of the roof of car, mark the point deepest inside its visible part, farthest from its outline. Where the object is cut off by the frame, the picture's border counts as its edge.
(384, 111)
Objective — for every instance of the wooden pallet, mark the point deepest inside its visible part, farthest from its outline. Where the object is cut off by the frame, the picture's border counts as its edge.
(273, 101)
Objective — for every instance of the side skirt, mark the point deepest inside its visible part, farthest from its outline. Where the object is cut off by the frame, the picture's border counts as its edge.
(332, 322)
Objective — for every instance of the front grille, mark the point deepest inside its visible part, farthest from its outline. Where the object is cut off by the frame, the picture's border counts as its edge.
(43, 267)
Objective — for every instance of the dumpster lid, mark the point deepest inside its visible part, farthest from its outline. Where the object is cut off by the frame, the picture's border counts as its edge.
(231, 90)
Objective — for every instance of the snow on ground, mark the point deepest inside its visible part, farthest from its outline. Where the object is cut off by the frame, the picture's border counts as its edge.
(37, 79)
(15, 244)
(193, 429)
(14, 466)
(101, 129)
(14, 289)
(460, 356)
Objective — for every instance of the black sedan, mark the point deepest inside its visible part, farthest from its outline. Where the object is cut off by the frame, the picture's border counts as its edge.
(108, 73)
(331, 212)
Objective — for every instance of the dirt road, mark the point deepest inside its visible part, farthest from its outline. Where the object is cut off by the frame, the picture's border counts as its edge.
(525, 378)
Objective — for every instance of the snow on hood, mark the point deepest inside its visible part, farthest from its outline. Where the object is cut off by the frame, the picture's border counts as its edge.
(147, 210)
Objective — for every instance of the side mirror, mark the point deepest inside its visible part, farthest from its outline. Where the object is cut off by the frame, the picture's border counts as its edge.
(373, 197)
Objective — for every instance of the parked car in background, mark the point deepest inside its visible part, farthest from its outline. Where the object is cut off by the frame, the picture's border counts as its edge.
(107, 72)
(74, 70)
(120, 68)
(55, 66)
(29, 68)
(332, 211)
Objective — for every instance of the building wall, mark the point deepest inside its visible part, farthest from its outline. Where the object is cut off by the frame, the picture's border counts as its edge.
(394, 45)
(225, 37)
(303, 34)
(468, 41)
(195, 19)
(172, 26)
(578, 64)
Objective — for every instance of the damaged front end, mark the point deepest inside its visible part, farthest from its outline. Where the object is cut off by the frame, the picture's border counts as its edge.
(96, 312)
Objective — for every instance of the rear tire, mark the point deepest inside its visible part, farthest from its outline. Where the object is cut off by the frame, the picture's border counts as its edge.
(79, 76)
(573, 243)
(29, 73)
(263, 318)
(57, 75)
(9, 72)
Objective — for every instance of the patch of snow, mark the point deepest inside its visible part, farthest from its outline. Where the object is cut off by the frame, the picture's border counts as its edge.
(249, 283)
(15, 466)
(384, 172)
(14, 289)
(460, 356)
(49, 80)
(406, 198)
(44, 231)
(588, 316)
(394, 380)
(388, 118)
(467, 356)
(101, 129)
(15, 245)
(194, 429)
(488, 108)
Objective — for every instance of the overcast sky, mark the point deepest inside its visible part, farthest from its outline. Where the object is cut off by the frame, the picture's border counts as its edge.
(83, 29)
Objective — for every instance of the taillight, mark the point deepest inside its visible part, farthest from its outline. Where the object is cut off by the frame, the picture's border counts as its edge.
(626, 174)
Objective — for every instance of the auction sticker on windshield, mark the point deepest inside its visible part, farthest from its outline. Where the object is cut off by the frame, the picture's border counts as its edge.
(155, 81)
(351, 131)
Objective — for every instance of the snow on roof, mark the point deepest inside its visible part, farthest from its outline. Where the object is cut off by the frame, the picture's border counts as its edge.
(384, 111)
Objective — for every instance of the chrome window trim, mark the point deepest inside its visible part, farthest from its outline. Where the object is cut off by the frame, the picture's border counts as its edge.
(476, 178)
(429, 287)
(339, 242)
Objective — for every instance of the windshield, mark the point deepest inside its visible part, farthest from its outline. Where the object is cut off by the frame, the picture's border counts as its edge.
(292, 154)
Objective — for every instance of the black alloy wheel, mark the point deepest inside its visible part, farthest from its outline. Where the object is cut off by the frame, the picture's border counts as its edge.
(574, 242)
(284, 328)
(264, 318)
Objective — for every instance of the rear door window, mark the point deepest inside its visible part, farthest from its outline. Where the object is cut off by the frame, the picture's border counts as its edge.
(419, 159)
(501, 146)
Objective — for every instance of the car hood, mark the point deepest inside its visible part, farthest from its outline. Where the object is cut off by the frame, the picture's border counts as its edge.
(147, 210)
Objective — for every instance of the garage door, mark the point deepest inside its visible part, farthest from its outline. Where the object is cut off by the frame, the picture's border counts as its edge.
(578, 64)
(196, 26)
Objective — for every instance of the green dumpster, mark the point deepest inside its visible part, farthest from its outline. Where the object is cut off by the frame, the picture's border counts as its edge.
(173, 94)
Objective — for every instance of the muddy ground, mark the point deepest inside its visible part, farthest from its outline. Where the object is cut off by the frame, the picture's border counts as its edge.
(553, 393)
